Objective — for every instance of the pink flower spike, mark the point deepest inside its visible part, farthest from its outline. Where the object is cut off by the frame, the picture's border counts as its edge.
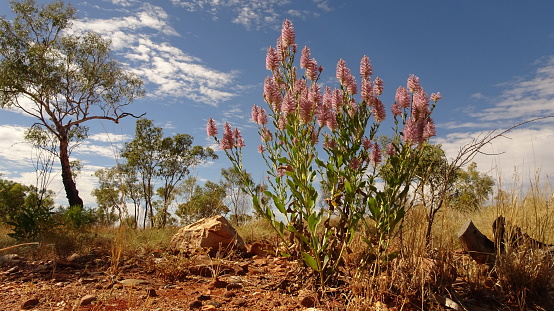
(266, 135)
(391, 150)
(262, 116)
(413, 84)
(239, 142)
(287, 34)
(211, 128)
(366, 143)
(331, 120)
(305, 58)
(396, 110)
(261, 149)
(365, 68)
(367, 91)
(355, 163)
(351, 86)
(378, 86)
(378, 111)
(226, 141)
(436, 97)
(255, 113)
(376, 154)
(402, 97)
(342, 72)
(271, 59)
(429, 130)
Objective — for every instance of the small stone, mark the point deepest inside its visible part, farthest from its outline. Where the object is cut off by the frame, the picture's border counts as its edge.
(217, 283)
(209, 308)
(30, 303)
(307, 298)
(87, 300)
(239, 302)
(132, 282)
(229, 294)
(9, 259)
(195, 304)
(216, 304)
(151, 292)
(232, 286)
(73, 257)
(203, 297)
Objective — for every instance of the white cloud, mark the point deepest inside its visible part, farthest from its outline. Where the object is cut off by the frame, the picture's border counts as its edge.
(14, 151)
(523, 151)
(167, 70)
(254, 14)
(109, 137)
(524, 99)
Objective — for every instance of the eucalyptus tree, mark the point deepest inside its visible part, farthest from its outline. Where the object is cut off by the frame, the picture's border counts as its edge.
(238, 201)
(60, 79)
(160, 164)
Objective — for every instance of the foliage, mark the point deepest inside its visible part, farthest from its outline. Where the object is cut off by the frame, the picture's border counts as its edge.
(238, 201)
(61, 80)
(154, 168)
(206, 201)
(108, 196)
(77, 217)
(472, 188)
(321, 135)
(26, 209)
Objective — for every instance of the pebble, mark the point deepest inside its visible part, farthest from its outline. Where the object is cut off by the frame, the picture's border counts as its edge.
(87, 300)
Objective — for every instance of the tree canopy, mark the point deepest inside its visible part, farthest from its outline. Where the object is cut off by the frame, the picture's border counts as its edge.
(61, 80)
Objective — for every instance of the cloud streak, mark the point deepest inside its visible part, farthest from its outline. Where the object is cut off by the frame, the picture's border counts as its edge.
(168, 71)
(523, 152)
(523, 99)
(253, 14)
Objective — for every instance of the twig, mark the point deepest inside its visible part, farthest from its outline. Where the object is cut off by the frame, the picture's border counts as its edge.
(14, 246)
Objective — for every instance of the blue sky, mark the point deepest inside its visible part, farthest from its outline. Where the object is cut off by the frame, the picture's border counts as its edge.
(492, 61)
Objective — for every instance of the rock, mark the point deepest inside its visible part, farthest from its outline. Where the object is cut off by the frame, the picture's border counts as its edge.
(239, 302)
(307, 298)
(209, 308)
(151, 292)
(73, 257)
(29, 304)
(9, 260)
(232, 286)
(217, 283)
(216, 304)
(203, 297)
(87, 300)
(214, 234)
(260, 249)
(132, 282)
(195, 304)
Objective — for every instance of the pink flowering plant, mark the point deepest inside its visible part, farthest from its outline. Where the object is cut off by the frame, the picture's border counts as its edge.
(318, 135)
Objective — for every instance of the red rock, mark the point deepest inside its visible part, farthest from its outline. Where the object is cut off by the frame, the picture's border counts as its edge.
(214, 234)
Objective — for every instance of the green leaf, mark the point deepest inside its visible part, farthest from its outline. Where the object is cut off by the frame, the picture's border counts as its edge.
(313, 221)
(310, 261)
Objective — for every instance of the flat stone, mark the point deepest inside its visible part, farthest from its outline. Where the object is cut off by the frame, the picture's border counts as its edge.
(87, 300)
(29, 304)
(132, 282)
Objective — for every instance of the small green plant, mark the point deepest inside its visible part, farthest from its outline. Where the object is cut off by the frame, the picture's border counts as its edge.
(30, 222)
(319, 134)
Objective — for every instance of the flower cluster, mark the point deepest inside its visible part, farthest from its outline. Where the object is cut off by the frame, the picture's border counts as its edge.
(231, 138)
(299, 112)
(419, 126)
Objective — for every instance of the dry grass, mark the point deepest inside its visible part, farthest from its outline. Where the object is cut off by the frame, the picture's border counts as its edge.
(418, 279)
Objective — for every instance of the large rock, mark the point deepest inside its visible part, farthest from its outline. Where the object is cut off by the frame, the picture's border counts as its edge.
(213, 234)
